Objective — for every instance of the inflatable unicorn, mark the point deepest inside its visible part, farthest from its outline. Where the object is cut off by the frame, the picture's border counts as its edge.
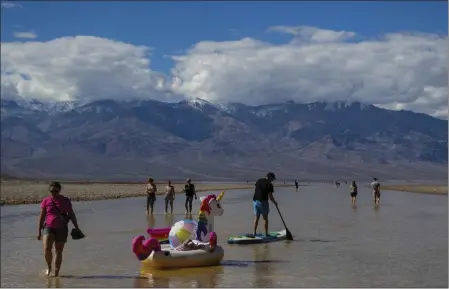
(210, 207)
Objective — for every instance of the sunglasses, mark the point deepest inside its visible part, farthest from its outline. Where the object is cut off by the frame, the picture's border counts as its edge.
(54, 190)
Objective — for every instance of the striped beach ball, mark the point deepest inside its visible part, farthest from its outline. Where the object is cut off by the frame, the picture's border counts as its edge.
(181, 232)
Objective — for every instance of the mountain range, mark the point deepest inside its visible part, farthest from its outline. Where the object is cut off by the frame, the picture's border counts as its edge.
(131, 140)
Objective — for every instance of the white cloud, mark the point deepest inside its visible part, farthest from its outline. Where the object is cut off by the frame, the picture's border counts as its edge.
(312, 34)
(25, 35)
(408, 70)
(81, 67)
(10, 5)
(398, 71)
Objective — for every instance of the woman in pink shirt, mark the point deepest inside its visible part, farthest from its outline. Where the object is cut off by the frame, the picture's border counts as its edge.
(56, 212)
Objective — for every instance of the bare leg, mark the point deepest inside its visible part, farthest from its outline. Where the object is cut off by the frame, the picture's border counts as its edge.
(190, 204)
(151, 207)
(59, 247)
(171, 207)
(48, 241)
(256, 223)
(265, 218)
(166, 206)
(185, 205)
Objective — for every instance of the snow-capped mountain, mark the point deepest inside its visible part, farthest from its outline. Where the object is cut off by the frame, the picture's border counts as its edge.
(112, 137)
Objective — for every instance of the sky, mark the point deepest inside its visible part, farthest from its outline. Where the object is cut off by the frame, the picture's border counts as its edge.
(391, 54)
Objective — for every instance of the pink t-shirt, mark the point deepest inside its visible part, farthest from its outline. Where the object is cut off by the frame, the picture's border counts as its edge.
(52, 218)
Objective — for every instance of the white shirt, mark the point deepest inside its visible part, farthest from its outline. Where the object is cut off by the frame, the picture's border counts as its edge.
(375, 185)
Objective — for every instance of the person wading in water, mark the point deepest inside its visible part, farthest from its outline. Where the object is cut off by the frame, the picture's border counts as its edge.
(55, 214)
(353, 190)
(262, 192)
(169, 197)
(376, 191)
(151, 195)
(189, 190)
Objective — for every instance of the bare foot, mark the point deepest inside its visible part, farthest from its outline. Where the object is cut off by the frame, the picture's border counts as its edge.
(46, 272)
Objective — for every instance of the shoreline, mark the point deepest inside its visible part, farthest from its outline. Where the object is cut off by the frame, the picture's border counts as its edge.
(26, 193)
(418, 189)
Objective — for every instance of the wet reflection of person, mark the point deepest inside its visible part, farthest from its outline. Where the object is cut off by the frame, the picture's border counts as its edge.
(263, 273)
(151, 221)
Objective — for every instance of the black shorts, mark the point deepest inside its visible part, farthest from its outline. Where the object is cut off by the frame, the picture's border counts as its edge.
(60, 235)
(353, 195)
(377, 194)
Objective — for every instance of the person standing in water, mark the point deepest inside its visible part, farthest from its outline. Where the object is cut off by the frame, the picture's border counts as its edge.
(353, 190)
(189, 190)
(262, 192)
(55, 214)
(151, 195)
(296, 185)
(169, 197)
(376, 191)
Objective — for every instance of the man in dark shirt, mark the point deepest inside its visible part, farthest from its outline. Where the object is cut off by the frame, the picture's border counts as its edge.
(189, 190)
(262, 192)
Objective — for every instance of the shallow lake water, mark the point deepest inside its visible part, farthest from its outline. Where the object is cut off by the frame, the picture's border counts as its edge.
(401, 243)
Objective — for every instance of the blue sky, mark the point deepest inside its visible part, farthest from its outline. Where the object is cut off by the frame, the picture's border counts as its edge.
(170, 27)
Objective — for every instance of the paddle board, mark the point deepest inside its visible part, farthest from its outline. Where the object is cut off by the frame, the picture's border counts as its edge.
(259, 238)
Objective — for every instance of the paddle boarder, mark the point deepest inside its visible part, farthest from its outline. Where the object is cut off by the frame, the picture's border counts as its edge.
(262, 192)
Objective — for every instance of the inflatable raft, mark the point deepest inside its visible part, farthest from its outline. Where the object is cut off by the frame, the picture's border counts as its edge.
(171, 258)
(195, 254)
(259, 238)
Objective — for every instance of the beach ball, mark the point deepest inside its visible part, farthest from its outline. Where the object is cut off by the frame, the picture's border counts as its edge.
(181, 232)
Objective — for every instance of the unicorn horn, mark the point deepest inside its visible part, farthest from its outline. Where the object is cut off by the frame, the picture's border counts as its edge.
(220, 196)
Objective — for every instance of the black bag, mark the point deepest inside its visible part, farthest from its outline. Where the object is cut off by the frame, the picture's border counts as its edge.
(65, 218)
(77, 234)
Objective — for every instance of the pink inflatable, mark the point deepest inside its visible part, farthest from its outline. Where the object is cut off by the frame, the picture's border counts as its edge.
(143, 248)
(158, 233)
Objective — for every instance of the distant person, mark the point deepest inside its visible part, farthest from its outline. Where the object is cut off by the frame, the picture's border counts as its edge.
(353, 190)
(151, 195)
(262, 192)
(55, 214)
(376, 191)
(169, 197)
(189, 190)
(337, 184)
(296, 185)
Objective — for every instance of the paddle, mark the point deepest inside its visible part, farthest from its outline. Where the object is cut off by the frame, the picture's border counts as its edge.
(289, 234)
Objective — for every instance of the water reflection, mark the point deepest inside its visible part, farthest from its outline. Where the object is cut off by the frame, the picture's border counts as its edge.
(188, 277)
(151, 221)
(54, 282)
(169, 220)
(262, 271)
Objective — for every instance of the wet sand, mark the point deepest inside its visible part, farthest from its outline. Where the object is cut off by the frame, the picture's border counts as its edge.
(420, 189)
(24, 192)
(401, 243)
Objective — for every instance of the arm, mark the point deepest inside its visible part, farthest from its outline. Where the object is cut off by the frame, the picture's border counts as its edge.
(74, 220)
(40, 222)
(73, 216)
(270, 195)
